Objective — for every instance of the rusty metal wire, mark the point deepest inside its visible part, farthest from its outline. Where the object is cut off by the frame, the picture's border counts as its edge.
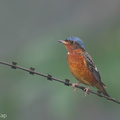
(66, 82)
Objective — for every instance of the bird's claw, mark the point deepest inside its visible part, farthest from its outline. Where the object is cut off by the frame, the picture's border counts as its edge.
(73, 85)
(87, 90)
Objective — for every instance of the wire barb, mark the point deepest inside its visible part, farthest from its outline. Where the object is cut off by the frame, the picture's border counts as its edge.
(32, 70)
(14, 65)
(67, 82)
(50, 77)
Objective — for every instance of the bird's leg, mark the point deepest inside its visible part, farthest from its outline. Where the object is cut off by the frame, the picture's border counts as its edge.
(74, 84)
(87, 90)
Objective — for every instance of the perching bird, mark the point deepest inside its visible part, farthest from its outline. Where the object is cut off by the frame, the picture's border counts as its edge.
(82, 66)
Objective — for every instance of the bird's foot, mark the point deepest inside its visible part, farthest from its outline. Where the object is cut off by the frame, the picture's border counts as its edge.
(87, 90)
(73, 85)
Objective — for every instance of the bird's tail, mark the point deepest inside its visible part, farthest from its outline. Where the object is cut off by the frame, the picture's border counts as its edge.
(102, 90)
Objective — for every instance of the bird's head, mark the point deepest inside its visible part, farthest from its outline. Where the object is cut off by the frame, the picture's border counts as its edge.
(73, 44)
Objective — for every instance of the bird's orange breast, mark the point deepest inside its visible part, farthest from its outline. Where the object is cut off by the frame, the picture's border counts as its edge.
(78, 68)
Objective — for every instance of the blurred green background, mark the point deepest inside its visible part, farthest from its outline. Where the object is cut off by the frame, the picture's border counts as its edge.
(29, 31)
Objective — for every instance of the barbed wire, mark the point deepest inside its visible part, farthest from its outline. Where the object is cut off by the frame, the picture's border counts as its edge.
(66, 82)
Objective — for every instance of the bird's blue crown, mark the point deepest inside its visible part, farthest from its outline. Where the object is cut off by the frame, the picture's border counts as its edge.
(77, 40)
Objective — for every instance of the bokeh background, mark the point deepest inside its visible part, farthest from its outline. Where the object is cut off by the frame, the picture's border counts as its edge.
(29, 31)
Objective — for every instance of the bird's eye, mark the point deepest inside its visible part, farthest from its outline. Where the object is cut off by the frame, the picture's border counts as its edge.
(72, 42)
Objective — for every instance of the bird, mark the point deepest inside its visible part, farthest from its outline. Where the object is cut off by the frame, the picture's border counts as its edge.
(82, 66)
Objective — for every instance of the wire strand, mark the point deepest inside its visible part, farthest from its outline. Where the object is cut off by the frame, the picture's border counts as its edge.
(50, 77)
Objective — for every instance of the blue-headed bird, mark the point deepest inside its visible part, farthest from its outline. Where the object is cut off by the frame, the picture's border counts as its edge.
(82, 66)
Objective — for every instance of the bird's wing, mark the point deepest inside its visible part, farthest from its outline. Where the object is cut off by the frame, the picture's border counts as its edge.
(91, 66)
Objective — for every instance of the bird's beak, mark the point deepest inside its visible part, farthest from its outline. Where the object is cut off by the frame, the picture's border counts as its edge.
(62, 41)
